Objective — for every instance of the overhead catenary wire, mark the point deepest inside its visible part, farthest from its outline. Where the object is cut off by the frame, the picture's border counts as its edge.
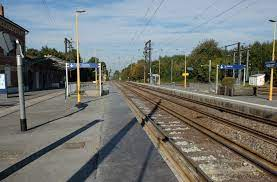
(206, 9)
(209, 20)
(149, 20)
(44, 3)
(237, 12)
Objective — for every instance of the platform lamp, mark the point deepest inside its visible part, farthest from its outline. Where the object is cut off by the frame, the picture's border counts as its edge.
(78, 56)
(273, 58)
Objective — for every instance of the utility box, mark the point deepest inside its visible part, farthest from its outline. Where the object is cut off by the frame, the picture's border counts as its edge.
(257, 80)
(156, 79)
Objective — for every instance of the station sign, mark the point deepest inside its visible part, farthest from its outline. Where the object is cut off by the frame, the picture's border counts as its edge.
(190, 68)
(271, 64)
(185, 74)
(3, 84)
(82, 65)
(232, 67)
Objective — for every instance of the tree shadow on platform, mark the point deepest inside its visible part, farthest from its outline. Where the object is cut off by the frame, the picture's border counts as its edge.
(81, 108)
(150, 114)
(19, 165)
(151, 148)
(145, 163)
(87, 169)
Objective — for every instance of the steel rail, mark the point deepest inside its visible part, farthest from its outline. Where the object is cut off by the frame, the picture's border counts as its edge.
(222, 109)
(269, 138)
(197, 174)
(241, 150)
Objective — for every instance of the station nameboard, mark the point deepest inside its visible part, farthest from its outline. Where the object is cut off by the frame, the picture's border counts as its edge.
(190, 68)
(232, 67)
(3, 85)
(82, 65)
(271, 64)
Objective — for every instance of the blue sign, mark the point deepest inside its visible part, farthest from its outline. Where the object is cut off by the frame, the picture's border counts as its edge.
(72, 65)
(190, 68)
(3, 84)
(232, 67)
(82, 65)
(271, 64)
(88, 65)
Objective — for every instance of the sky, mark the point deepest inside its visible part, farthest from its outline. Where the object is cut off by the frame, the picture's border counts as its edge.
(116, 30)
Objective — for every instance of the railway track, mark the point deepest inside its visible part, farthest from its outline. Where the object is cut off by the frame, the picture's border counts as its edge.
(194, 118)
(270, 137)
(222, 109)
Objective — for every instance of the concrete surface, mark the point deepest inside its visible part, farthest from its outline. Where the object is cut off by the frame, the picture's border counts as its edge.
(30, 102)
(261, 100)
(101, 141)
(12, 99)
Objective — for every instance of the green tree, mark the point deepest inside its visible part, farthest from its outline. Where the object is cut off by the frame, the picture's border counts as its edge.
(32, 52)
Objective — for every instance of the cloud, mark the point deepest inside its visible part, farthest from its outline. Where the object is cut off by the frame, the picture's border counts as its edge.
(113, 26)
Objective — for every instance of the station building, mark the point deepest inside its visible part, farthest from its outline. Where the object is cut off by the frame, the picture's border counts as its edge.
(9, 32)
(39, 73)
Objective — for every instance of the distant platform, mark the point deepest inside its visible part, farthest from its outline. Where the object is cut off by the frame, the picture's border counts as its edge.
(253, 105)
(261, 101)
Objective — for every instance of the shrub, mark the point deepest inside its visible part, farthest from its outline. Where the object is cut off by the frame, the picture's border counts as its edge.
(228, 82)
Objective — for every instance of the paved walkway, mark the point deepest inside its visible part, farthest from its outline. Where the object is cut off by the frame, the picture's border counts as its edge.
(101, 141)
(12, 99)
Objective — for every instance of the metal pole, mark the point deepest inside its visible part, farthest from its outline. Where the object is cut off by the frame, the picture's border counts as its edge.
(144, 67)
(78, 61)
(171, 79)
(150, 63)
(185, 81)
(234, 62)
(66, 79)
(247, 65)
(240, 57)
(96, 61)
(216, 82)
(100, 80)
(210, 69)
(237, 62)
(19, 55)
(159, 71)
(244, 76)
(273, 59)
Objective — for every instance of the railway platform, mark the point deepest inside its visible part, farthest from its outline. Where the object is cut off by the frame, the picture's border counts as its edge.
(101, 141)
(258, 106)
(259, 100)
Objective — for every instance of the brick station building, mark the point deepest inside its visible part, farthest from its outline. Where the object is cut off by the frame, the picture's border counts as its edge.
(39, 73)
(9, 32)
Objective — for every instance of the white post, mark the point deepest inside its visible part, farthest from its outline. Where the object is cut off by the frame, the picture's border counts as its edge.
(100, 79)
(185, 77)
(66, 79)
(244, 76)
(234, 61)
(96, 80)
(159, 83)
(247, 66)
(216, 83)
(210, 69)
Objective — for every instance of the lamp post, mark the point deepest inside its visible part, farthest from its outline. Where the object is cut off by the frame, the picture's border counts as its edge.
(160, 69)
(273, 58)
(78, 56)
(185, 79)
